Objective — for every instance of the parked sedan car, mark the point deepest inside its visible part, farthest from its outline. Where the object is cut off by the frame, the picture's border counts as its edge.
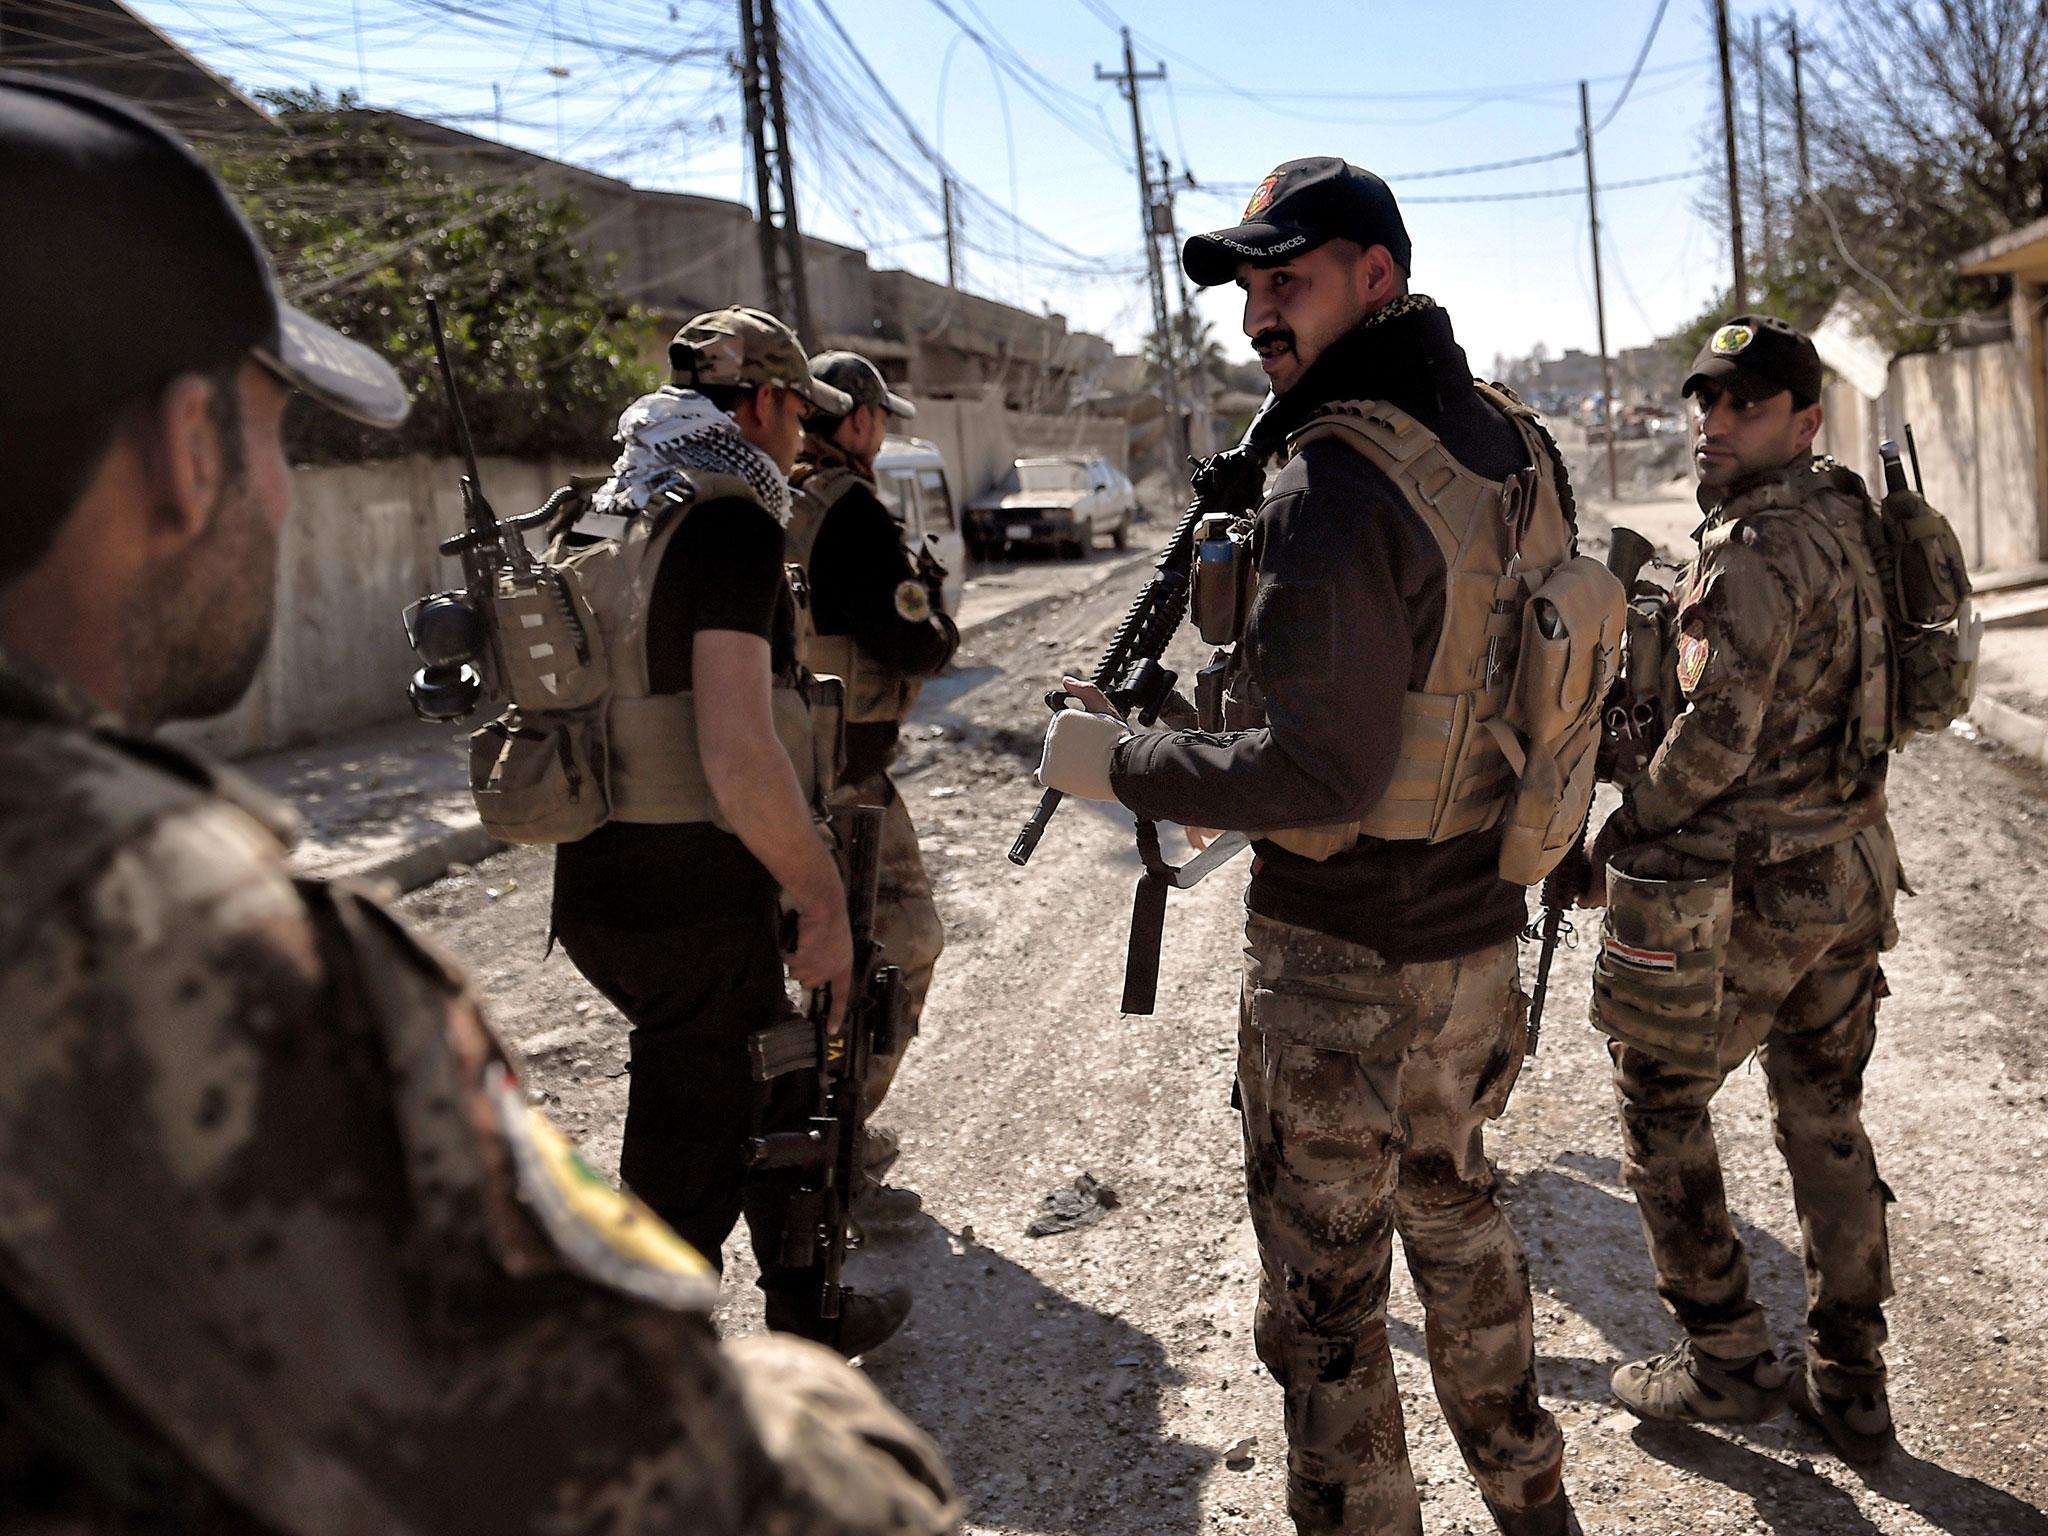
(1062, 503)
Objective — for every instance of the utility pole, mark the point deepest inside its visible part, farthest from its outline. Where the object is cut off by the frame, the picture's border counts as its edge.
(1741, 290)
(952, 254)
(1184, 336)
(1154, 216)
(1799, 108)
(1763, 160)
(1599, 293)
(781, 241)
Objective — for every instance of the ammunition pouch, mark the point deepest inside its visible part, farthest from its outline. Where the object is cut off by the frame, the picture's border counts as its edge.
(1920, 561)
(1935, 680)
(541, 777)
(874, 693)
(1550, 731)
(1657, 980)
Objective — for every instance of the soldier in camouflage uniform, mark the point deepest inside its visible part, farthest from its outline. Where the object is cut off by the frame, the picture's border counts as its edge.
(1381, 1024)
(1759, 777)
(282, 1246)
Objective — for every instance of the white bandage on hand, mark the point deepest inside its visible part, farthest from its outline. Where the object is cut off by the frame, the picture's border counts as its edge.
(1078, 747)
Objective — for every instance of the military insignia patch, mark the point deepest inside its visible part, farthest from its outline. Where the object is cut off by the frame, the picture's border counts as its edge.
(1692, 661)
(913, 602)
(603, 1233)
(1730, 339)
(1262, 199)
(1634, 955)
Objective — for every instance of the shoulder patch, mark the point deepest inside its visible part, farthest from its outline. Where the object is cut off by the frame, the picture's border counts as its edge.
(913, 602)
(1693, 653)
(604, 1234)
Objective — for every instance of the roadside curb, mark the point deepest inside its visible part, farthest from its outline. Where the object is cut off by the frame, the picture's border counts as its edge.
(428, 860)
(1035, 605)
(2013, 729)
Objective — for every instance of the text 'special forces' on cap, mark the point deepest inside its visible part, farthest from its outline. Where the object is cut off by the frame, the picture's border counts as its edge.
(127, 263)
(1294, 210)
(1756, 356)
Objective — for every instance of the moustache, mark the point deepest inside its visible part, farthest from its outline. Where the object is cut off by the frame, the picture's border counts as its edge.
(1271, 340)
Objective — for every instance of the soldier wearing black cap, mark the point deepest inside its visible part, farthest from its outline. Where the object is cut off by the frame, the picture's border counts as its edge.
(1760, 789)
(876, 619)
(282, 1247)
(1381, 1023)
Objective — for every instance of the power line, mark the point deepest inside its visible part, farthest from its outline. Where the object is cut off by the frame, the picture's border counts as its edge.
(1637, 68)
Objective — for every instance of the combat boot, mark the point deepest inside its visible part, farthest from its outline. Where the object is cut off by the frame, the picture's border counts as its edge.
(1686, 1385)
(877, 1202)
(1556, 1518)
(1858, 1424)
(879, 1149)
(863, 1323)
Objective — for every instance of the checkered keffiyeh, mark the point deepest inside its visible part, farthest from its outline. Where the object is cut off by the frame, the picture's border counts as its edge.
(672, 430)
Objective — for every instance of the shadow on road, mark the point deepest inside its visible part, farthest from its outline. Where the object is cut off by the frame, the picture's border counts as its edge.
(1048, 1410)
(1786, 1498)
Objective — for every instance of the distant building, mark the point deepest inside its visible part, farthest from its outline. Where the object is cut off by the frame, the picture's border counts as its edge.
(102, 43)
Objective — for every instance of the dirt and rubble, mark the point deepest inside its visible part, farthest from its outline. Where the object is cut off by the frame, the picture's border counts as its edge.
(1102, 1380)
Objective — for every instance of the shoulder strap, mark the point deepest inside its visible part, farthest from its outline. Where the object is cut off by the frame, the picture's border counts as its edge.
(814, 492)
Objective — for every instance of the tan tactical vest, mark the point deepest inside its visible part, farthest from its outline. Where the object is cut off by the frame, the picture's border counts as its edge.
(656, 771)
(875, 692)
(1454, 776)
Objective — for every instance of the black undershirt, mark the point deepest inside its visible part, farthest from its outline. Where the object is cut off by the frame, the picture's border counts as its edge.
(722, 570)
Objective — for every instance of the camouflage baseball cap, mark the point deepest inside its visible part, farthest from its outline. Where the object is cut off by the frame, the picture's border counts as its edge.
(861, 381)
(745, 347)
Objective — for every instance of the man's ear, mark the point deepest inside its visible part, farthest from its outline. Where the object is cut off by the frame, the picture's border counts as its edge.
(1806, 424)
(1384, 279)
(192, 461)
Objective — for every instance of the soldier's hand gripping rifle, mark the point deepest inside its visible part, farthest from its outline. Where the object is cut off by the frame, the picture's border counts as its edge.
(1627, 553)
(455, 631)
(826, 1153)
(1132, 677)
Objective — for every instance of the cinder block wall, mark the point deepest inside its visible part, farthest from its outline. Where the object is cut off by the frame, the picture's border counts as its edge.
(1973, 418)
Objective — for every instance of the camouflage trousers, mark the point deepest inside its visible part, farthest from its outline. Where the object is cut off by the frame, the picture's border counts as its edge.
(1800, 988)
(906, 919)
(1364, 1088)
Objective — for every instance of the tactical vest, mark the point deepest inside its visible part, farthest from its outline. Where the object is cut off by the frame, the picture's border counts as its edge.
(654, 767)
(547, 775)
(1461, 764)
(875, 691)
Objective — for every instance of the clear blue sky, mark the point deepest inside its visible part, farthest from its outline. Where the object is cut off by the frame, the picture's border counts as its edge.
(643, 89)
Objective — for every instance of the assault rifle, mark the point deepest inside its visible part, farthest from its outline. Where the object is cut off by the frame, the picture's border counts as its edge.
(451, 631)
(1133, 678)
(827, 1151)
(1627, 553)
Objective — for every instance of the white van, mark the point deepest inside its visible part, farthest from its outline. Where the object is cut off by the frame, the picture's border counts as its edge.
(911, 477)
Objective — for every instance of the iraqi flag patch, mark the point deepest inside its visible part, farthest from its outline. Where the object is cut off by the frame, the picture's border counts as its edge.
(1637, 957)
(1692, 661)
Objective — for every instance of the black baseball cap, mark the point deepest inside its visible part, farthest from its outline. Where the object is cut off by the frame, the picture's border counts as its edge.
(856, 377)
(1301, 205)
(1756, 356)
(127, 263)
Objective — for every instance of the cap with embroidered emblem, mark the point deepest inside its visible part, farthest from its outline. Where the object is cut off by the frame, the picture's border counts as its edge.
(1300, 206)
(1755, 357)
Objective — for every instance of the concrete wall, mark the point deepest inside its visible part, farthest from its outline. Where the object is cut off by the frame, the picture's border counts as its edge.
(358, 547)
(1972, 413)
